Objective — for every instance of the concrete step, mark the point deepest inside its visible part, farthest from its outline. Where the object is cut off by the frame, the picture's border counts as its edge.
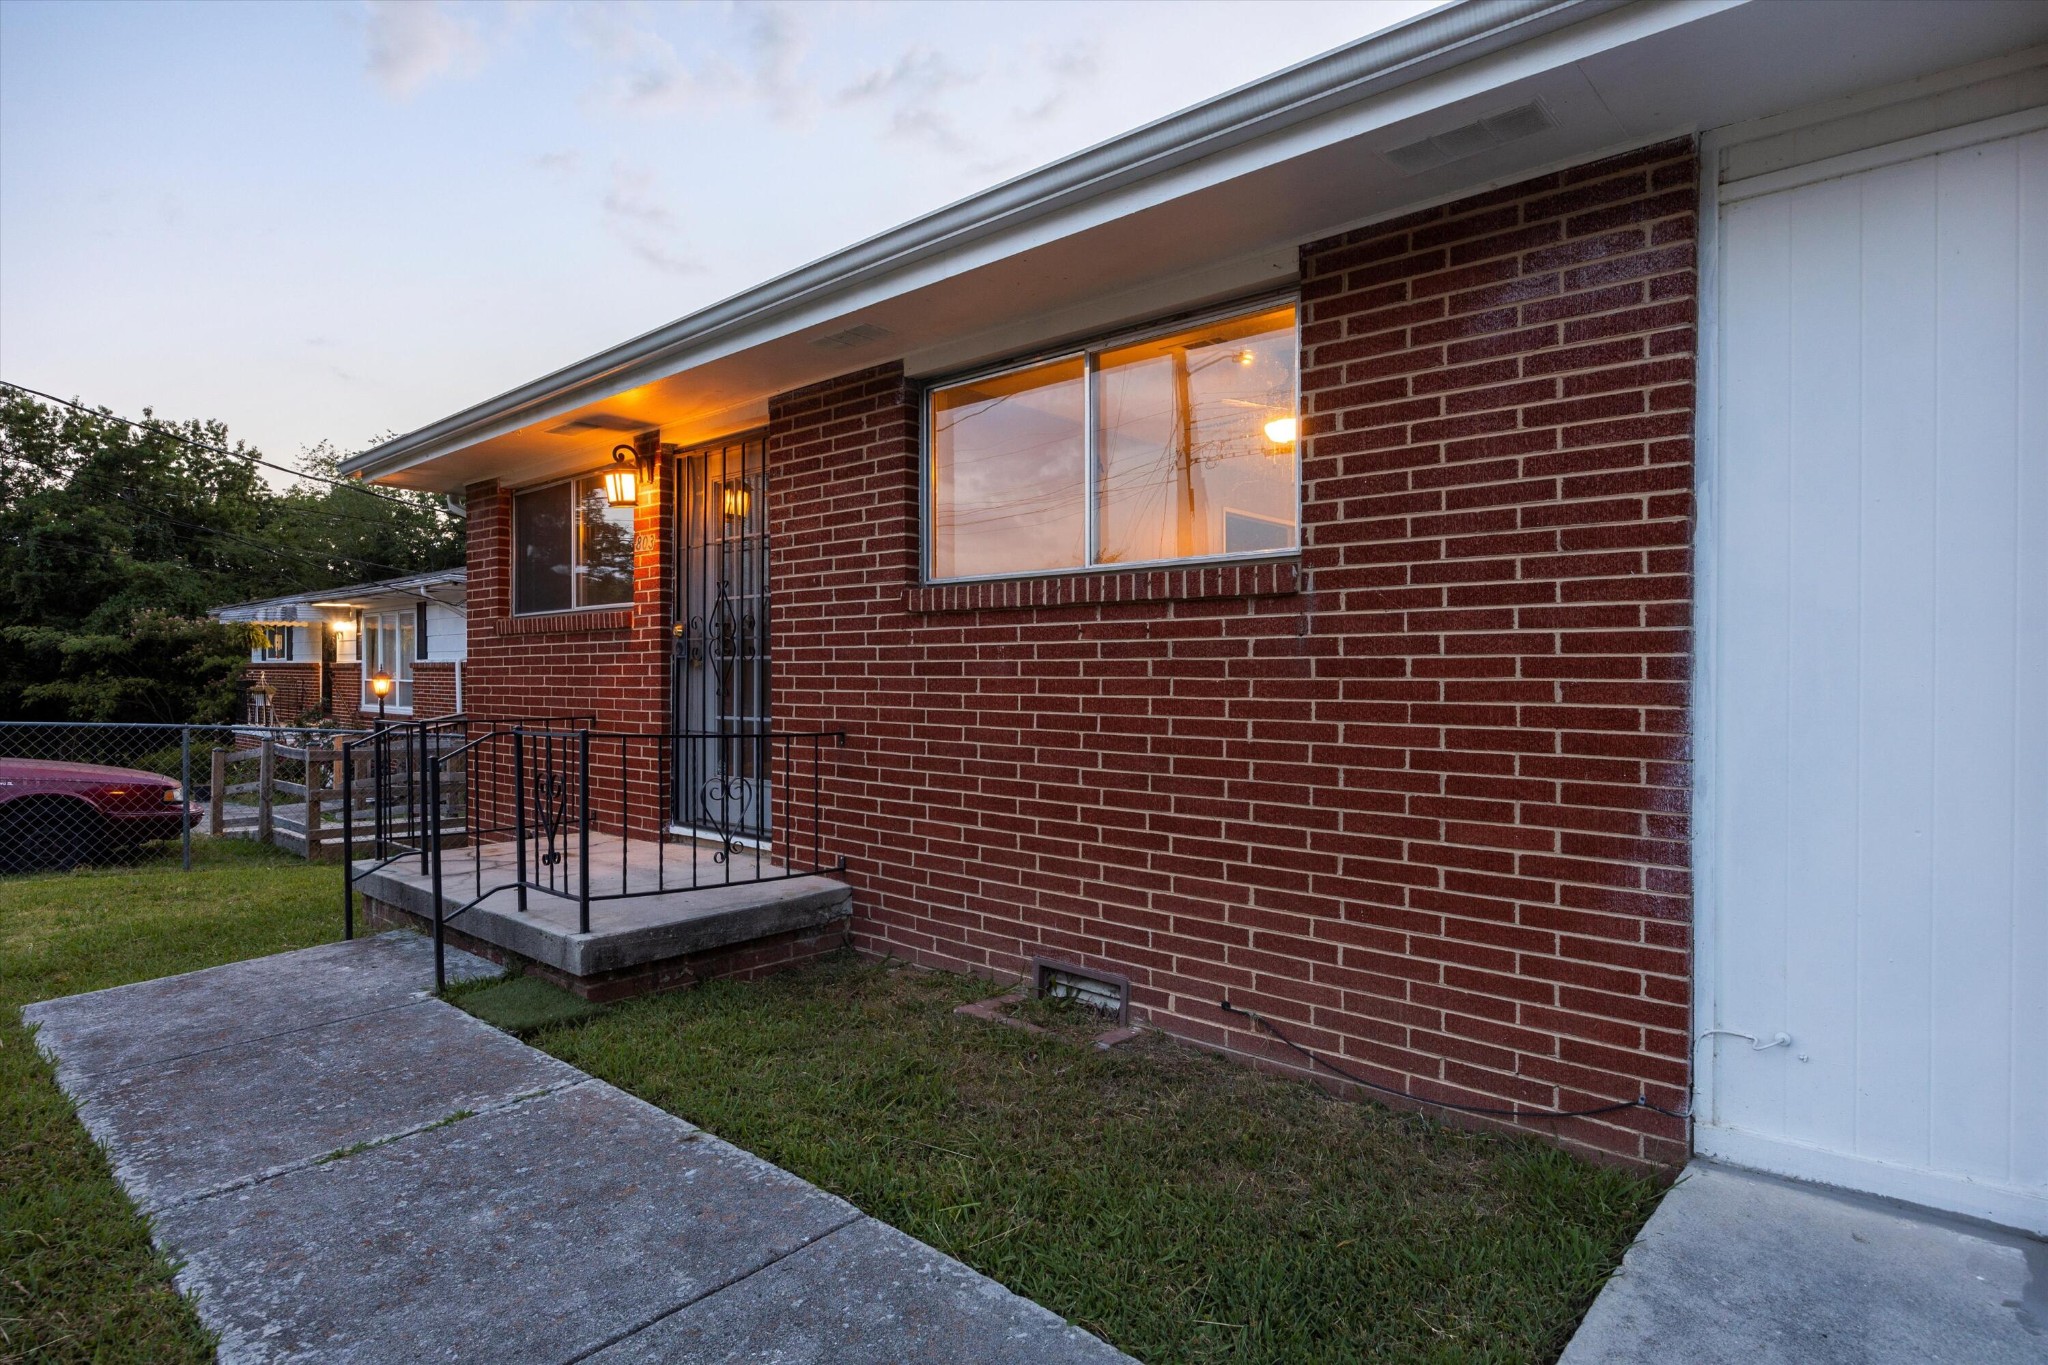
(664, 933)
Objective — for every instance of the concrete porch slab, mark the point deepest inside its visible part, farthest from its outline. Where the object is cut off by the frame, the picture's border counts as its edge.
(175, 1016)
(624, 934)
(1736, 1268)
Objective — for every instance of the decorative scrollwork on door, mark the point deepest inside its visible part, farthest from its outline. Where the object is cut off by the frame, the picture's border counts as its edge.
(721, 644)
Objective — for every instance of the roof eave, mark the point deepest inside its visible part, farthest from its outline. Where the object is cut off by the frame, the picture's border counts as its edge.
(1429, 42)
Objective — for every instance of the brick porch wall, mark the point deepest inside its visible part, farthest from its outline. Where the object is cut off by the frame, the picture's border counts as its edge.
(611, 665)
(1422, 800)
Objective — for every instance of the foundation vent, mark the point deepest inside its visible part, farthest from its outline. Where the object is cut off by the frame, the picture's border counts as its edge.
(1104, 992)
(1470, 139)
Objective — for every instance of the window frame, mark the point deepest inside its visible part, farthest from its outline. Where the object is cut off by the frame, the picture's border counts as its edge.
(575, 547)
(1087, 350)
(262, 653)
(369, 621)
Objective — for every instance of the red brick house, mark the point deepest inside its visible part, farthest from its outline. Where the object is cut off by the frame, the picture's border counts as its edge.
(1513, 549)
(311, 654)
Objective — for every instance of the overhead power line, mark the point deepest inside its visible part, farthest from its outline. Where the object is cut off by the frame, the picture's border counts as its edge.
(279, 551)
(163, 429)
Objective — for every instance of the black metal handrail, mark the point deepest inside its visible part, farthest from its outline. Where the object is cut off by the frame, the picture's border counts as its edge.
(399, 755)
(750, 799)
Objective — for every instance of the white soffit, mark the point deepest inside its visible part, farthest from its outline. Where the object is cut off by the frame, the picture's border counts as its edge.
(1229, 223)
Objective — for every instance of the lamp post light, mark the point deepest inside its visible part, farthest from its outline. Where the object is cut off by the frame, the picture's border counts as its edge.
(380, 687)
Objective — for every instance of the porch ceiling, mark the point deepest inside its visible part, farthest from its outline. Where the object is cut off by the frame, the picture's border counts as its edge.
(1222, 224)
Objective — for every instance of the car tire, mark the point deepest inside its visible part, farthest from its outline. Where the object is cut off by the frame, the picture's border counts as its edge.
(50, 836)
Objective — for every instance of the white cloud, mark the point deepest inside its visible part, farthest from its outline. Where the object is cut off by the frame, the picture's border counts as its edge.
(650, 75)
(914, 85)
(564, 164)
(1071, 67)
(639, 215)
(411, 42)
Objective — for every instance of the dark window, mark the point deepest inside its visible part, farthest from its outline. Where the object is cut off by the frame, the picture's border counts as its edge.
(419, 631)
(541, 573)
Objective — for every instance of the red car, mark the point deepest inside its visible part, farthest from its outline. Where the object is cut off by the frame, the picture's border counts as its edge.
(62, 814)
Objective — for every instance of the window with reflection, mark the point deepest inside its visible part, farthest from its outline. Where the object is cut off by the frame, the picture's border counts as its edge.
(570, 548)
(1009, 472)
(1190, 454)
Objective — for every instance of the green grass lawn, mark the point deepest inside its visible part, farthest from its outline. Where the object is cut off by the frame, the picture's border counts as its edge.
(79, 1280)
(1184, 1207)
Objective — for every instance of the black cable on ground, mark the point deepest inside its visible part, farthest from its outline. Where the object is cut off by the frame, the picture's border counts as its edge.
(1639, 1102)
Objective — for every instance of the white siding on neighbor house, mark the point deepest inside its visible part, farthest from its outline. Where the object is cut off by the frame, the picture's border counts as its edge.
(447, 633)
(305, 647)
(1878, 854)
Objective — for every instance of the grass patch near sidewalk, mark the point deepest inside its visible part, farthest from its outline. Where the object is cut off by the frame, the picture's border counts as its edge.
(79, 1280)
(1184, 1207)
(521, 1005)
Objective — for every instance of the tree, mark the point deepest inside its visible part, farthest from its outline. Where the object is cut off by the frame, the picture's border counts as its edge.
(116, 538)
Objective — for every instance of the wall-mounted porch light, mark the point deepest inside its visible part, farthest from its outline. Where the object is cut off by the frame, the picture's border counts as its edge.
(622, 480)
(1280, 431)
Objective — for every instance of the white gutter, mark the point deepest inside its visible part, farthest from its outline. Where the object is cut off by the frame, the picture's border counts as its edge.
(1444, 37)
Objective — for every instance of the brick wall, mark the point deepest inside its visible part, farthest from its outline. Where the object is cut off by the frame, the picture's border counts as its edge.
(1422, 800)
(433, 692)
(609, 665)
(294, 689)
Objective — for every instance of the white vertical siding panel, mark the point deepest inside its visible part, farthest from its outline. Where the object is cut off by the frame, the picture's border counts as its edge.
(447, 633)
(1893, 889)
(1752, 812)
(2029, 969)
(1881, 687)
(1976, 464)
(1821, 771)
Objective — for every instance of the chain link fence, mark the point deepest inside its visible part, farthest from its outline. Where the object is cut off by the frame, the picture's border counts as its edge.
(106, 795)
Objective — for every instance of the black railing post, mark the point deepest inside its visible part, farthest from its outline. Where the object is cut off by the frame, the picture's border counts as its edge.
(348, 843)
(519, 810)
(418, 780)
(433, 849)
(583, 832)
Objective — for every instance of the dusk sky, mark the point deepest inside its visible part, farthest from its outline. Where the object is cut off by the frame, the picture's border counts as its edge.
(330, 221)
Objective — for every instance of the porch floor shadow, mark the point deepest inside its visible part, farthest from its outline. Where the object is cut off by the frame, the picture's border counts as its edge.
(680, 904)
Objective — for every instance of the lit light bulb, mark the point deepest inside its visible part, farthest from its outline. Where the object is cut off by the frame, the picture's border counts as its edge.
(1280, 431)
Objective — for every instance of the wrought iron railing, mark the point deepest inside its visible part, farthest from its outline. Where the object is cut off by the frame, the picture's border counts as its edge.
(589, 817)
(394, 761)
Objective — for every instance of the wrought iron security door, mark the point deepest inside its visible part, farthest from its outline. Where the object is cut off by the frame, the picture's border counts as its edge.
(721, 643)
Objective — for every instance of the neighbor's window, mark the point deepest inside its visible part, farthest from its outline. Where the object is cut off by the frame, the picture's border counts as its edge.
(1190, 454)
(389, 645)
(571, 548)
(273, 645)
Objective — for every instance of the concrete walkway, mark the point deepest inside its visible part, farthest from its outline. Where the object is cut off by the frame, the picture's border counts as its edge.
(1742, 1269)
(347, 1169)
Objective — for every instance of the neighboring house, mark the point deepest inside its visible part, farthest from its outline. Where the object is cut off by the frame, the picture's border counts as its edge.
(312, 654)
(1517, 548)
